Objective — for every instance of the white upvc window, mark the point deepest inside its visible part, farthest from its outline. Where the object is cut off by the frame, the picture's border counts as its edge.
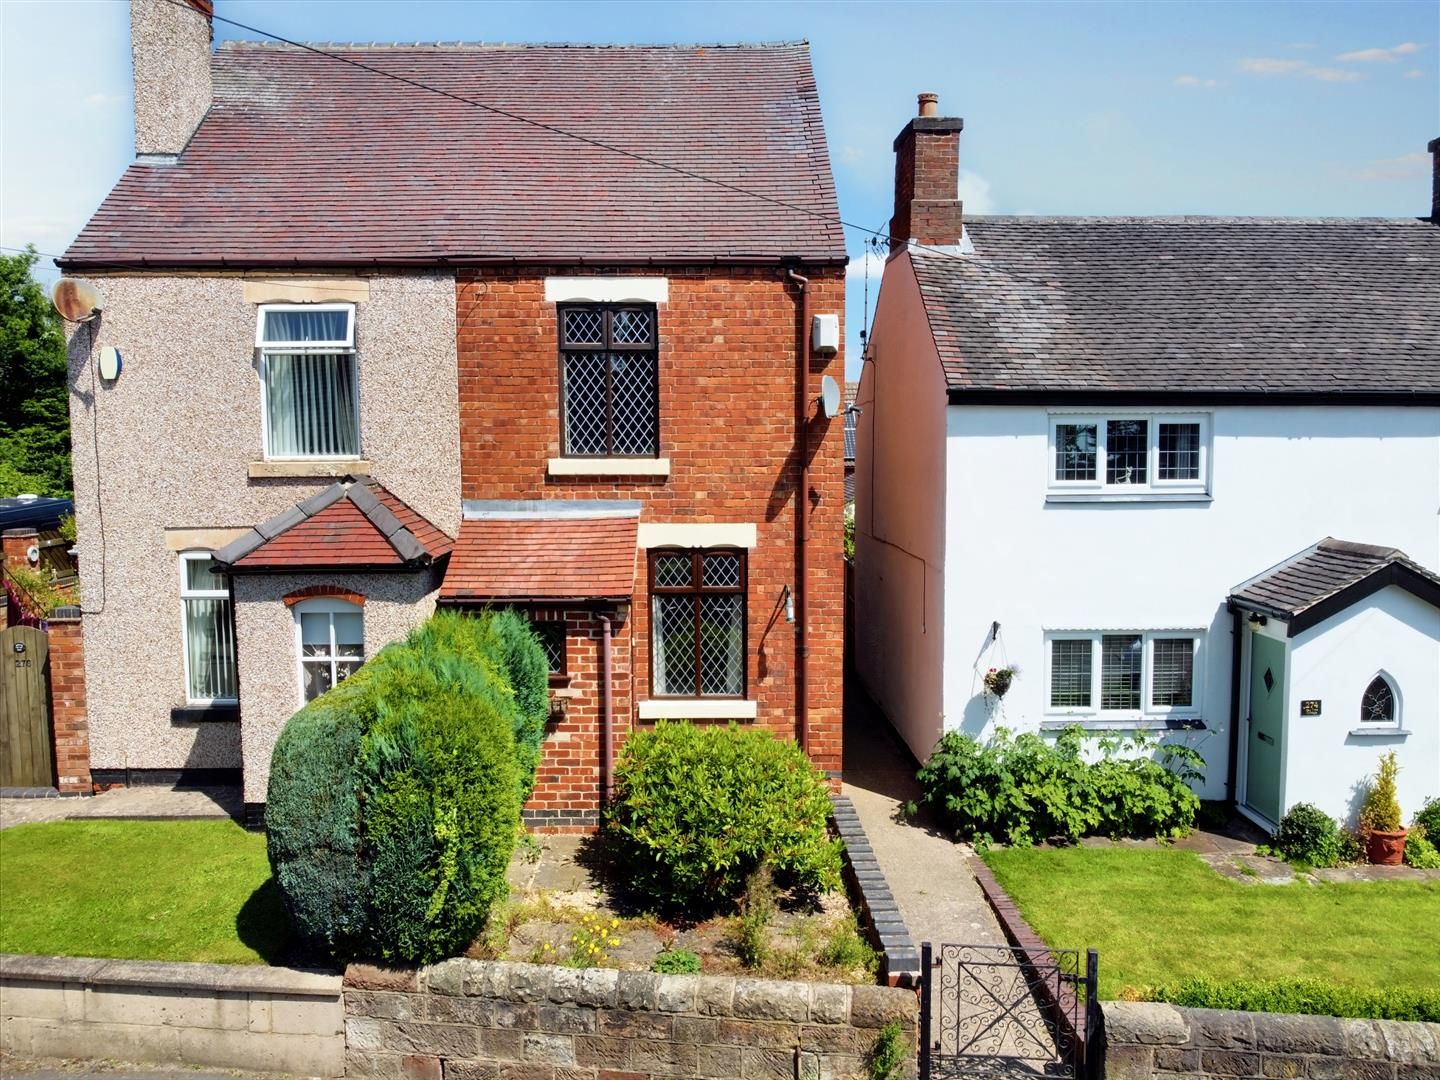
(1129, 453)
(329, 644)
(310, 381)
(209, 633)
(1123, 673)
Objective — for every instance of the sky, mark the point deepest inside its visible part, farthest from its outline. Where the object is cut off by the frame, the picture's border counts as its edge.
(1070, 107)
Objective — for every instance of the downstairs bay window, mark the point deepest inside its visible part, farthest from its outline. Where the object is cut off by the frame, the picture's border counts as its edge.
(310, 381)
(1110, 675)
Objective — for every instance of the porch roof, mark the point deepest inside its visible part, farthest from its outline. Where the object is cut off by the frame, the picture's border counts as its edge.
(356, 524)
(1328, 577)
(544, 549)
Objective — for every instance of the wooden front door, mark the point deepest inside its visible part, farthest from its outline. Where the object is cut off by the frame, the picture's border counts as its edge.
(25, 755)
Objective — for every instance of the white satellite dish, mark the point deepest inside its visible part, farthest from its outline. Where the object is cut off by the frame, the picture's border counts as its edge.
(77, 300)
(829, 397)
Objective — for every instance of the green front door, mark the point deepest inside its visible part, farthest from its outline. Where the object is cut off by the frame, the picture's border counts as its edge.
(1267, 723)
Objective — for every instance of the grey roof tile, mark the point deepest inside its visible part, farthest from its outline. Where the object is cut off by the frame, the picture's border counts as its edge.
(1319, 572)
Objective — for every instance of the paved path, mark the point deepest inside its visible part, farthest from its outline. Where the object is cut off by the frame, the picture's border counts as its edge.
(145, 801)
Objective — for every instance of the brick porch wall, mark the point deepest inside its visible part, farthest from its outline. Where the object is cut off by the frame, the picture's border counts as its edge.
(727, 423)
(67, 702)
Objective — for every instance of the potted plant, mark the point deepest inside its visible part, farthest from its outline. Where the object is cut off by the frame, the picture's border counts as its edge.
(998, 680)
(1380, 822)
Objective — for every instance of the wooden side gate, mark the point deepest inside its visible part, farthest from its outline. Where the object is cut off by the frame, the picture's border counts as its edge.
(25, 757)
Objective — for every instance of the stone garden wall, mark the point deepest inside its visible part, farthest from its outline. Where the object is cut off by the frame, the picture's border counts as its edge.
(471, 1019)
(1146, 1041)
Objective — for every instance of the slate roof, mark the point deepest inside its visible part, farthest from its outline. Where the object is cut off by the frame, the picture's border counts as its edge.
(1327, 577)
(544, 550)
(306, 160)
(350, 525)
(1205, 305)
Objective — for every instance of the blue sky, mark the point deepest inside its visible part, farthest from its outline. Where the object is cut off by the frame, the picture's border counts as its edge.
(1070, 108)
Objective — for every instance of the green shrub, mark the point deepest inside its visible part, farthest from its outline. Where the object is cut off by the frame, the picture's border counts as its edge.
(1025, 789)
(1309, 996)
(846, 949)
(697, 809)
(1419, 851)
(1307, 834)
(394, 801)
(676, 962)
(752, 939)
(529, 674)
(1428, 817)
(888, 1057)
(1380, 811)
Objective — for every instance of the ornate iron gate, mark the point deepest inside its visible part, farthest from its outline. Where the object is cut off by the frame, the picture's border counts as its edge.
(997, 1011)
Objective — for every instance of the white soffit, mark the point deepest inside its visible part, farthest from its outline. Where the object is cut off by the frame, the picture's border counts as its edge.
(607, 290)
(696, 535)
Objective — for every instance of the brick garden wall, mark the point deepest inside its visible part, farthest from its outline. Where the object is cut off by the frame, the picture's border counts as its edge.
(1147, 1041)
(727, 423)
(471, 1019)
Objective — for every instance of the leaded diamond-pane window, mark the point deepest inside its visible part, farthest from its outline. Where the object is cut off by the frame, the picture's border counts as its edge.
(697, 635)
(610, 372)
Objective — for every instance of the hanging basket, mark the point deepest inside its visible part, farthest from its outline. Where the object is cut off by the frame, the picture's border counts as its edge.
(998, 680)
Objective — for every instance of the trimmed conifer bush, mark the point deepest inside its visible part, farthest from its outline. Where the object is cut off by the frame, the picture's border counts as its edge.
(529, 673)
(698, 809)
(394, 800)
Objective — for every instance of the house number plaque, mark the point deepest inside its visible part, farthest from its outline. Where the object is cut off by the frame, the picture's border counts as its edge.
(1310, 707)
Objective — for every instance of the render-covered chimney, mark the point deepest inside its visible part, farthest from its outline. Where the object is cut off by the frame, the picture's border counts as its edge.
(1434, 148)
(171, 46)
(927, 178)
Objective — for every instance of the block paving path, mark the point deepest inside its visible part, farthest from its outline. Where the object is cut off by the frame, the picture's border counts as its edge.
(153, 801)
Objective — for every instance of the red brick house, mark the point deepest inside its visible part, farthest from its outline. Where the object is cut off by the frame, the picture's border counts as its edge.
(569, 307)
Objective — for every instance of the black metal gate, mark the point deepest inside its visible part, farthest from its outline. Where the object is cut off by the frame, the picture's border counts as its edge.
(998, 1011)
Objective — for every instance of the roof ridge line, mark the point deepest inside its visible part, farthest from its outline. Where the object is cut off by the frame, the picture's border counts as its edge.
(234, 44)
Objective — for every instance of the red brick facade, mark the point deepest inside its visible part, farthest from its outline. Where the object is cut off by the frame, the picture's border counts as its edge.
(927, 199)
(67, 705)
(727, 362)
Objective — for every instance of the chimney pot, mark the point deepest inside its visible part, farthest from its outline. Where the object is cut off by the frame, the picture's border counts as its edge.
(929, 104)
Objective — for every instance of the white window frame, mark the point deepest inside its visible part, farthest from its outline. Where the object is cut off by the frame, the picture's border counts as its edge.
(1153, 485)
(339, 345)
(187, 593)
(1148, 708)
(323, 606)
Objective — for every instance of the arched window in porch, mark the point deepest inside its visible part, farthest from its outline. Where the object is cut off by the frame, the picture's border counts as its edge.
(1377, 706)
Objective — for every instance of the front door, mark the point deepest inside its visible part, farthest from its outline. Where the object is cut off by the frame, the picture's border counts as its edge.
(1267, 722)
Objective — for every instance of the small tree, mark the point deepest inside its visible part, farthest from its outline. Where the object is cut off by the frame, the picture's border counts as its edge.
(34, 398)
(1381, 809)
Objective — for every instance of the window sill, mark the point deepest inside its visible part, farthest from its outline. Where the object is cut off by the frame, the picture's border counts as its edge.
(618, 466)
(1127, 497)
(204, 714)
(1380, 731)
(698, 709)
(1148, 723)
(265, 470)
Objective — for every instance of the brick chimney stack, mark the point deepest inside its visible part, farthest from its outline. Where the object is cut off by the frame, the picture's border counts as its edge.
(170, 44)
(927, 178)
(1434, 148)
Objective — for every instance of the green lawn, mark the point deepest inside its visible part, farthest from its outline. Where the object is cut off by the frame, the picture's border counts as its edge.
(1159, 916)
(140, 890)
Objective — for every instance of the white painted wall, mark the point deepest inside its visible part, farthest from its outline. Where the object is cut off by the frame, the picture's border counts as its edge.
(1282, 478)
(899, 514)
(1391, 631)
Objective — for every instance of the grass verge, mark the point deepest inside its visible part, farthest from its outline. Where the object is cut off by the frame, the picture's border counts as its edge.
(140, 890)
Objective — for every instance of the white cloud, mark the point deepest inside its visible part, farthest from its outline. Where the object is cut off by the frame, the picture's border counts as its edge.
(1414, 73)
(1197, 82)
(1404, 167)
(1269, 65)
(1391, 55)
(856, 267)
(975, 193)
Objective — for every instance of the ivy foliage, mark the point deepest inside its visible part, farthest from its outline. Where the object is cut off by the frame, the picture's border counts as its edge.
(394, 799)
(1025, 789)
(697, 810)
(34, 396)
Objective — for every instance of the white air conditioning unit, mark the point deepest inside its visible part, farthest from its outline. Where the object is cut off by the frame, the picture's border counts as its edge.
(825, 334)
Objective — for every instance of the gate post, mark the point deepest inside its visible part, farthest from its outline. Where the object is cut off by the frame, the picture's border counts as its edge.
(1092, 1012)
(68, 718)
(926, 978)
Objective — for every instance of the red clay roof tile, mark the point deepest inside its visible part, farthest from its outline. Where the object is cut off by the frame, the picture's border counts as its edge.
(543, 559)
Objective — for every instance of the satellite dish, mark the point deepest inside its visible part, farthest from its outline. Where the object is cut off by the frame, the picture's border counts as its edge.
(829, 397)
(110, 363)
(77, 300)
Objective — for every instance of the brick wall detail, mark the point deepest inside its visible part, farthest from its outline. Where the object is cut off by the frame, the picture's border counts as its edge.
(68, 718)
(469, 1019)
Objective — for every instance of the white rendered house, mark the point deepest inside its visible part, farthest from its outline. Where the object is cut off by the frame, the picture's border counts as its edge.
(1102, 450)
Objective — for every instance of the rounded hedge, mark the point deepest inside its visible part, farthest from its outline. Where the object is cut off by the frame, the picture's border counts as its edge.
(697, 809)
(394, 799)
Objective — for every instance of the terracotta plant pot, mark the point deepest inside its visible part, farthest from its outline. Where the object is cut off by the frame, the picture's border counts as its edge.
(1386, 848)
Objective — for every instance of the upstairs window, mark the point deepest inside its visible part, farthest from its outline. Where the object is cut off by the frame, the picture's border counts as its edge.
(310, 379)
(610, 380)
(697, 623)
(1132, 673)
(209, 633)
(1129, 454)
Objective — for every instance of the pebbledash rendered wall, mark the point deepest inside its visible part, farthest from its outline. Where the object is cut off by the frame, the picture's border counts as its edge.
(164, 458)
(472, 1019)
(727, 345)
